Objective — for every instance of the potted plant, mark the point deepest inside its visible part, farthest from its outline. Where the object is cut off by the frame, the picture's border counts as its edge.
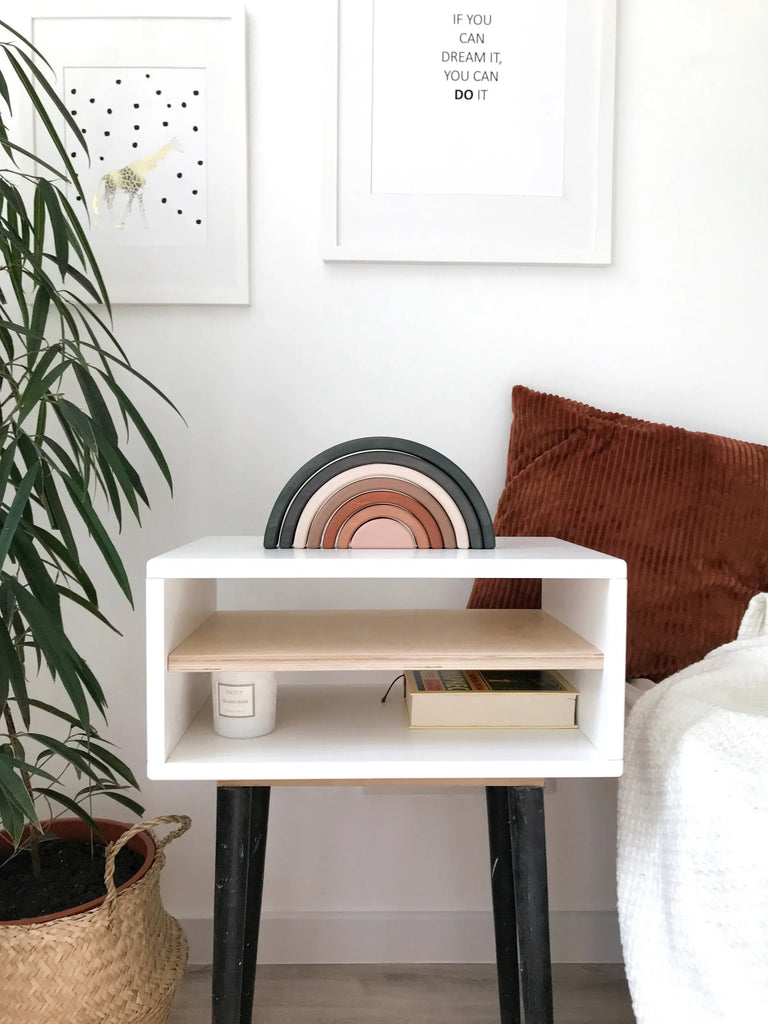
(64, 475)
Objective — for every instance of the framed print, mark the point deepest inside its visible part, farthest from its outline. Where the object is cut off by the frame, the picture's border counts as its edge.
(481, 135)
(159, 92)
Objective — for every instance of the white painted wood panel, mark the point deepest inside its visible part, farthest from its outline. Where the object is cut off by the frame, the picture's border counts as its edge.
(338, 732)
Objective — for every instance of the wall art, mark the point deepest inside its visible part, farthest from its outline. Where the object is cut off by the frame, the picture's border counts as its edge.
(470, 134)
(160, 97)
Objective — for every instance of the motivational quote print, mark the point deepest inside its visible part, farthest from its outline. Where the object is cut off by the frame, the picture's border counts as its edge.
(471, 38)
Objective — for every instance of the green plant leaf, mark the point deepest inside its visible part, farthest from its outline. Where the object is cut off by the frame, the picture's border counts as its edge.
(49, 793)
(99, 534)
(38, 579)
(54, 646)
(13, 788)
(107, 481)
(20, 227)
(59, 521)
(114, 794)
(114, 762)
(6, 464)
(134, 478)
(126, 366)
(77, 758)
(83, 281)
(42, 113)
(90, 260)
(125, 475)
(91, 321)
(58, 225)
(52, 94)
(30, 769)
(25, 332)
(67, 467)
(89, 606)
(31, 456)
(11, 251)
(12, 674)
(144, 431)
(63, 555)
(38, 323)
(40, 382)
(79, 240)
(4, 91)
(51, 709)
(13, 147)
(95, 401)
(11, 818)
(27, 42)
(78, 421)
(13, 196)
(15, 511)
(90, 682)
(6, 338)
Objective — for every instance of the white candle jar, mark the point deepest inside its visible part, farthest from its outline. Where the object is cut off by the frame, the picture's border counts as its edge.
(244, 703)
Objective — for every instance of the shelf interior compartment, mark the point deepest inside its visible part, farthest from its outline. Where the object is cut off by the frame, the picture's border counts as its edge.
(339, 731)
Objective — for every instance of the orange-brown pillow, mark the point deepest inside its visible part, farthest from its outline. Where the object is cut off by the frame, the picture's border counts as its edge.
(688, 511)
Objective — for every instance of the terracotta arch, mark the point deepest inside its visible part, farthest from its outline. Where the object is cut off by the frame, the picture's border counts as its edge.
(371, 512)
(382, 497)
(371, 485)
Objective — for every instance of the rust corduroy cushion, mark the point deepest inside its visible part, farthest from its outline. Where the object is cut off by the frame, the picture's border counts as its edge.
(688, 511)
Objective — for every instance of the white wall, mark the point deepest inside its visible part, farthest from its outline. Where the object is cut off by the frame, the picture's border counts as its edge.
(674, 330)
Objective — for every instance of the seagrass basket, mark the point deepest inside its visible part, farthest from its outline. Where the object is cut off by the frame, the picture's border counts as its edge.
(118, 963)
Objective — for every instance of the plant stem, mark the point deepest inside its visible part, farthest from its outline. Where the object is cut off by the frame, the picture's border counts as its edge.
(35, 829)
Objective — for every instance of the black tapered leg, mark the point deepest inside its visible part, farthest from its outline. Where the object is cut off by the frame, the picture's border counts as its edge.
(529, 867)
(503, 893)
(241, 830)
(258, 847)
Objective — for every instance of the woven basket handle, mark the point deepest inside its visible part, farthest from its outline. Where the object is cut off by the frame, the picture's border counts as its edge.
(183, 822)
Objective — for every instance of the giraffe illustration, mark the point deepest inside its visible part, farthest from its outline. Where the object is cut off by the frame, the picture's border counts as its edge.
(131, 179)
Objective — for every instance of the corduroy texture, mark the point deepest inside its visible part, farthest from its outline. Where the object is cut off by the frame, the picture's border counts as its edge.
(117, 964)
(688, 511)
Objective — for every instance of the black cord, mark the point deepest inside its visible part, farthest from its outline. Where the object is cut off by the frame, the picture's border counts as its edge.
(401, 676)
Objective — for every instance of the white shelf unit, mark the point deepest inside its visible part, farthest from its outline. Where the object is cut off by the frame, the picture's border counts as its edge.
(339, 732)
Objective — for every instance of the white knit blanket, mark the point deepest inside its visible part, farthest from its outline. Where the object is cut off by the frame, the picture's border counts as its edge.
(693, 838)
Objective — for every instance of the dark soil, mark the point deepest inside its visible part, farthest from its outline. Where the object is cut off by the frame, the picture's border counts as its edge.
(72, 874)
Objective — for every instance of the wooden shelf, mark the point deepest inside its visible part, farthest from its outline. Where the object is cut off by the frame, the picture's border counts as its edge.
(356, 640)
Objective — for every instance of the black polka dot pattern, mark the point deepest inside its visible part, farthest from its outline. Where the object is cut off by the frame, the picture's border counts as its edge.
(160, 149)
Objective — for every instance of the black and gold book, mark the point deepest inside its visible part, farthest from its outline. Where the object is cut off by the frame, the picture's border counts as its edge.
(500, 699)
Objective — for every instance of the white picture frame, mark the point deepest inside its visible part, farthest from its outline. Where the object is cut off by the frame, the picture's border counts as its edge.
(425, 226)
(196, 51)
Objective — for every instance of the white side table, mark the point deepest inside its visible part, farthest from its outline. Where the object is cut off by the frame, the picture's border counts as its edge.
(341, 734)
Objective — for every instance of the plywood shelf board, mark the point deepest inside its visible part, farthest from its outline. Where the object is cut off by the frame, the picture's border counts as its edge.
(396, 639)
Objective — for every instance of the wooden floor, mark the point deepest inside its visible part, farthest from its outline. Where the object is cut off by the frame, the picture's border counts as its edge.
(406, 994)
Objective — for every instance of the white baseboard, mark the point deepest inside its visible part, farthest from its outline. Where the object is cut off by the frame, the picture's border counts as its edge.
(583, 937)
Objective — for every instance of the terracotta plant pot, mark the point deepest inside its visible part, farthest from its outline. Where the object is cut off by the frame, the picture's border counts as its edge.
(74, 828)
